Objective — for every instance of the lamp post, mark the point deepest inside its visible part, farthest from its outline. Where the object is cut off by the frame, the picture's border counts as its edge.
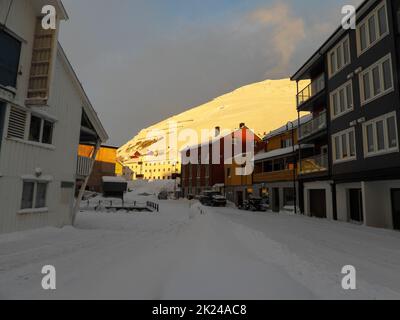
(294, 167)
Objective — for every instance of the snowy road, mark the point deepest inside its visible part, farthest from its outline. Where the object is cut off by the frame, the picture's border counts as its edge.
(193, 252)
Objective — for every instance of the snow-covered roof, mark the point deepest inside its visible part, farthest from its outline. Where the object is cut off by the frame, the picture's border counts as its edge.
(288, 127)
(279, 152)
(114, 179)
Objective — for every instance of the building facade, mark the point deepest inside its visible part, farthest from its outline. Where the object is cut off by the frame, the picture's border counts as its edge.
(276, 167)
(105, 165)
(354, 98)
(44, 115)
(203, 165)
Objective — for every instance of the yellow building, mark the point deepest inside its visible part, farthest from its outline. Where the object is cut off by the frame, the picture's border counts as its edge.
(106, 164)
(153, 170)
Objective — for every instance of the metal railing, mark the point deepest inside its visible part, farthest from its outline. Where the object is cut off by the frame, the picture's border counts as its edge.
(315, 87)
(84, 166)
(313, 126)
(314, 164)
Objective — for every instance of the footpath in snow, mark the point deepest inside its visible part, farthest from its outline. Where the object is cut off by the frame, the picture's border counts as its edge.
(191, 252)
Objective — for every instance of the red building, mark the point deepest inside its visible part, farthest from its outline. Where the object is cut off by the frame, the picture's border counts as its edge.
(203, 165)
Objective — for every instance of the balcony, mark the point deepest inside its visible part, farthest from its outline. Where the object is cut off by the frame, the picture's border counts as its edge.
(314, 164)
(274, 176)
(84, 166)
(315, 87)
(313, 126)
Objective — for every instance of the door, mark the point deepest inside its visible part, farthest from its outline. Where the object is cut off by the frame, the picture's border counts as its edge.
(396, 208)
(276, 206)
(356, 205)
(239, 198)
(318, 203)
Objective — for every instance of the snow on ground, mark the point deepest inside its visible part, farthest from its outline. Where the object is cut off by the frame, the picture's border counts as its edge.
(191, 252)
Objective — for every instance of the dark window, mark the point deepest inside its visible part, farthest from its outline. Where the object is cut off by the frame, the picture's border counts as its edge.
(41, 190)
(27, 195)
(34, 131)
(268, 166)
(41, 130)
(47, 132)
(9, 59)
(279, 165)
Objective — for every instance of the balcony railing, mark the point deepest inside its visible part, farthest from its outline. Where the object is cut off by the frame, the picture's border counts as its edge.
(311, 90)
(313, 126)
(84, 166)
(314, 164)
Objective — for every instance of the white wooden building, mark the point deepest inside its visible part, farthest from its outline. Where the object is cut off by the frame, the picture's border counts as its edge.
(44, 115)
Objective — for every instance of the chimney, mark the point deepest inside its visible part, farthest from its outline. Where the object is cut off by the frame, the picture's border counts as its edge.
(217, 131)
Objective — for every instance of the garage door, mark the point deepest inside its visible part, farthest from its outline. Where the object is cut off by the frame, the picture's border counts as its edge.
(318, 203)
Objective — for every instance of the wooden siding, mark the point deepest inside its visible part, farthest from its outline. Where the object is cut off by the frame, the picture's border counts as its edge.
(18, 159)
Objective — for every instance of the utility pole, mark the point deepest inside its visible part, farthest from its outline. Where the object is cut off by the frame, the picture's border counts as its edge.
(294, 167)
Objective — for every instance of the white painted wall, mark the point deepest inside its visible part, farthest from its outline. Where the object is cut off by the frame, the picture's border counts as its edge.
(378, 203)
(18, 158)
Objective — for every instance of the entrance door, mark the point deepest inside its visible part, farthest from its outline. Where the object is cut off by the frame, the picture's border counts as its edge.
(276, 206)
(396, 208)
(356, 205)
(318, 203)
(239, 197)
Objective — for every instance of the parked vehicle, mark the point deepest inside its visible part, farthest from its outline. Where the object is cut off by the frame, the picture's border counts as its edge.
(163, 195)
(254, 204)
(212, 199)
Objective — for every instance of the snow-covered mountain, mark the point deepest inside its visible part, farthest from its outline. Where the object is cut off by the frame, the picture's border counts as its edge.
(262, 106)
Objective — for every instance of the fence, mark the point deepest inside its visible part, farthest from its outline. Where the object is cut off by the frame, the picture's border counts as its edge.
(118, 205)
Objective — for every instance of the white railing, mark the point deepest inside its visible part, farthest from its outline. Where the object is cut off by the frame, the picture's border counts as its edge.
(84, 166)
(314, 164)
(313, 126)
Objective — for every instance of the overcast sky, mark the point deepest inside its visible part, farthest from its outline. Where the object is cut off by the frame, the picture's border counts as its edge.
(141, 61)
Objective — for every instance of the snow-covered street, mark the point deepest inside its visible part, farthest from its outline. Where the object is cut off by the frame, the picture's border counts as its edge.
(191, 252)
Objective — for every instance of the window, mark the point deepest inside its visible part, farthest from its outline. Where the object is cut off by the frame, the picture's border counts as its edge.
(380, 135)
(9, 59)
(372, 29)
(41, 130)
(228, 172)
(344, 145)
(342, 100)
(339, 57)
(287, 143)
(377, 80)
(34, 195)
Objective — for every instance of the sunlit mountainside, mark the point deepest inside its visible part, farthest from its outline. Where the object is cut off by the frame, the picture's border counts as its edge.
(262, 106)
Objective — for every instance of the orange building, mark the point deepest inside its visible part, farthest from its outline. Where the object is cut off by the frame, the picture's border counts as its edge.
(105, 165)
(275, 169)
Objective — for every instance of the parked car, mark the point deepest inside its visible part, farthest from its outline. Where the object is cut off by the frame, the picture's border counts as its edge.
(212, 199)
(163, 195)
(254, 204)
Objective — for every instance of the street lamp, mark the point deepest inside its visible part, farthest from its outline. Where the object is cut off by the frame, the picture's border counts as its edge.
(294, 166)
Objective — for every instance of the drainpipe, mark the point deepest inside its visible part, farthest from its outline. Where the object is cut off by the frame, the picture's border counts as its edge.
(85, 182)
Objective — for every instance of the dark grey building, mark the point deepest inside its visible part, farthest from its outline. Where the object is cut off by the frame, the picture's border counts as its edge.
(354, 97)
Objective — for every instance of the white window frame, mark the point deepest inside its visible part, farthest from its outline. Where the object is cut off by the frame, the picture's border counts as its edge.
(33, 209)
(365, 22)
(387, 150)
(334, 50)
(337, 91)
(368, 70)
(334, 146)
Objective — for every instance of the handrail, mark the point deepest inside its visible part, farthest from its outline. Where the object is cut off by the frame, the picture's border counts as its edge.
(314, 164)
(315, 87)
(313, 126)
